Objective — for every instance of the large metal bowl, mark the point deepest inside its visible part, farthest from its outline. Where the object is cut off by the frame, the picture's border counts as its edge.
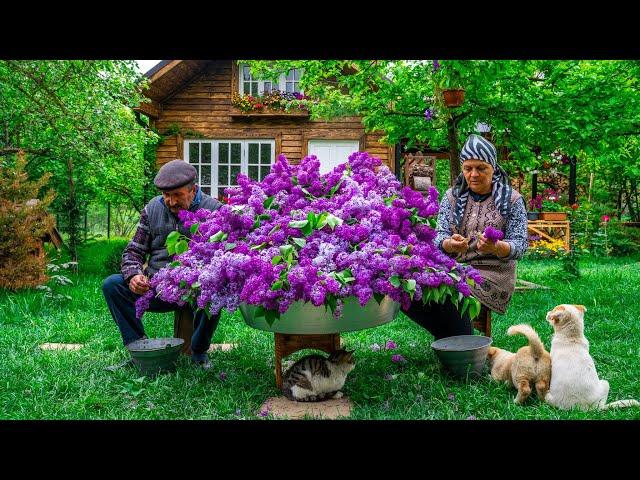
(304, 318)
(463, 355)
(155, 355)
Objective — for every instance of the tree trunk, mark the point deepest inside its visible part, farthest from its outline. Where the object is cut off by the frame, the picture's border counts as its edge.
(74, 215)
(454, 153)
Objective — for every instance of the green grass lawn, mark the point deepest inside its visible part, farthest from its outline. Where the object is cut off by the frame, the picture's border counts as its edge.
(36, 384)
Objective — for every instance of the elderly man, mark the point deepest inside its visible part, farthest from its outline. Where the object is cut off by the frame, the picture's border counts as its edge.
(159, 218)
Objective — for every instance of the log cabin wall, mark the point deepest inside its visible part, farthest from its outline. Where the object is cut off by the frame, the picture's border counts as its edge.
(201, 108)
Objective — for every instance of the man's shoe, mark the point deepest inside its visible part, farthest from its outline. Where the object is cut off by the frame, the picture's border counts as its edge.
(126, 364)
(201, 360)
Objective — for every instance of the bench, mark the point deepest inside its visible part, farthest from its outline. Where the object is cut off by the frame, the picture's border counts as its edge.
(286, 344)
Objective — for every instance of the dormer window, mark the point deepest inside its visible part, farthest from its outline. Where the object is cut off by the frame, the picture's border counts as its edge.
(289, 83)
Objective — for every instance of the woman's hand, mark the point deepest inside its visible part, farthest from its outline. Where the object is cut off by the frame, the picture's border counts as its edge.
(485, 245)
(139, 284)
(499, 249)
(455, 244)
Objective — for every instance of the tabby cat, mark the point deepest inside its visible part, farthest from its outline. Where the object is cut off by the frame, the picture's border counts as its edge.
(314, 378)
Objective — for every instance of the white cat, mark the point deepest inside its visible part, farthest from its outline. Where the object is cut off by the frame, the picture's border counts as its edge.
(574, 380)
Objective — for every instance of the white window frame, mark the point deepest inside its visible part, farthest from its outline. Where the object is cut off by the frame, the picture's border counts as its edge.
(353, 143)
(215, 163)
(282, 81)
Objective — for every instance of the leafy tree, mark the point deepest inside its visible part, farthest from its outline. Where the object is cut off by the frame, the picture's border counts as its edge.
(75, 118)
(580, 107)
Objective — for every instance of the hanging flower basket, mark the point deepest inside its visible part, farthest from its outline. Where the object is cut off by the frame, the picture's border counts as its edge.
(454, 97)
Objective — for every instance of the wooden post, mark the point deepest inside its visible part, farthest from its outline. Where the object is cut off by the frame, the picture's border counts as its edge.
(572, 180)
(398, 160)
(534, 185)
(183, 328)
(454, 160)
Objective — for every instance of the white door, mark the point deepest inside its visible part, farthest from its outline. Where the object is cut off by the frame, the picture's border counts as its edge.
(332, 153)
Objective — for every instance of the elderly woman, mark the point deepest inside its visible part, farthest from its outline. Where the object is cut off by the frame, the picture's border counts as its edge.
(481, 197)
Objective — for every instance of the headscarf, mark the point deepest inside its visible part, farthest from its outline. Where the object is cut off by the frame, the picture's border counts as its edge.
(479, 148)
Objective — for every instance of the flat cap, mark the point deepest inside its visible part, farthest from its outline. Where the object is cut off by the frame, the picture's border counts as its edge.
(175, 174)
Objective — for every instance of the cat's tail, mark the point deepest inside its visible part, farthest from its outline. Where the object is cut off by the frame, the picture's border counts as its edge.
(621, 404)
(537, 347)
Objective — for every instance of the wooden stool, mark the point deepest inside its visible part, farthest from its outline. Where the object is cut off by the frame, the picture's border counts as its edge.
(183, 328)
(286, 344)
(483, 321)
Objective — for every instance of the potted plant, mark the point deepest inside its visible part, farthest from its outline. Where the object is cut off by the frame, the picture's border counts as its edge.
(448, 83)
(302, 252)
(453, 97)
(535, 206)
(551, 207)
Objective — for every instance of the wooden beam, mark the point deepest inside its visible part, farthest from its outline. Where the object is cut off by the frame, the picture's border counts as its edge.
(151, 109)
(167, 68)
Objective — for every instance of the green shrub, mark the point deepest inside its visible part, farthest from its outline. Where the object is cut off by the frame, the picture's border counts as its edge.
(101, 257)
(623, 240)
(114, 256)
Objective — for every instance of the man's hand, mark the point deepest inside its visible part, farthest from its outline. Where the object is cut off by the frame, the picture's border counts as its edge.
(139, 284)
(456, 244)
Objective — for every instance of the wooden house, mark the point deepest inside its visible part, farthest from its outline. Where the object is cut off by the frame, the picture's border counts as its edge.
(191, 105)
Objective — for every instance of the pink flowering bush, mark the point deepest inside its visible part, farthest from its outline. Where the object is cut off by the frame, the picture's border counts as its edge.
(302, 236)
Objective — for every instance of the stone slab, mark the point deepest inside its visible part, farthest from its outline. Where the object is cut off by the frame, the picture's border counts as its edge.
(225, 347)
(281, 407)
(61, 346)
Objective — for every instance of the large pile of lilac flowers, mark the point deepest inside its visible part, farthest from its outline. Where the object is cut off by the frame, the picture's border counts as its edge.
(302, 236)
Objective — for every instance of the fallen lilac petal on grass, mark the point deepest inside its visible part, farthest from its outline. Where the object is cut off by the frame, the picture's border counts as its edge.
(451, 397)
(391, 345)
(398, 358)
(223, 375)
(389, 377)
(375, 347)
(471, 417)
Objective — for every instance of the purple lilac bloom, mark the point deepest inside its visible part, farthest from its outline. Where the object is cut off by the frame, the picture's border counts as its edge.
(378, 230)
(492, 234)
(428, 115)
(391, 345)
(436, 66)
